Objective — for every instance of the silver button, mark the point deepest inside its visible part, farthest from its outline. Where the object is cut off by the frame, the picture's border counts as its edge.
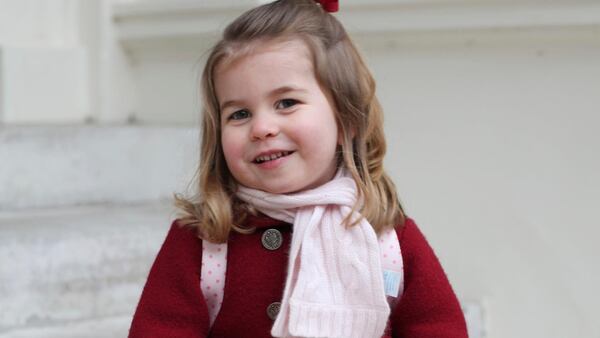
(273, 310)
(272, 239)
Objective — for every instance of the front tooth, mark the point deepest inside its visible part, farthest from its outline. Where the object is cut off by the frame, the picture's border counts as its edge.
(272, 156)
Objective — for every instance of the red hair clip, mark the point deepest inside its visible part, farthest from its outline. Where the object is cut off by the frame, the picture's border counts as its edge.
(329, 5)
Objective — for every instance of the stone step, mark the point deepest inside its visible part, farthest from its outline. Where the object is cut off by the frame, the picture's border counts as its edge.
(61, 266)
(112, 327)
(50, 166)
(79, 271)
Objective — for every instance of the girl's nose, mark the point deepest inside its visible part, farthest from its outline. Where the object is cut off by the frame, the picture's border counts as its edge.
(263, 127)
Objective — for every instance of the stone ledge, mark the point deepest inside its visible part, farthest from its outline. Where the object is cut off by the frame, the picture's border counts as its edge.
(61, 266)
(56, 166)
(96, 328)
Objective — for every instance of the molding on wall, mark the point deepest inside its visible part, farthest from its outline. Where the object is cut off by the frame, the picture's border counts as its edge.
(158, 20)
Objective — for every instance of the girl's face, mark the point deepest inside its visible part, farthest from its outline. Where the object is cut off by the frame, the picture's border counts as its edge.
(278, 128)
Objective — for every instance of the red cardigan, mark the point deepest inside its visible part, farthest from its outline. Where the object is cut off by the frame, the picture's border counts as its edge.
(172, 304)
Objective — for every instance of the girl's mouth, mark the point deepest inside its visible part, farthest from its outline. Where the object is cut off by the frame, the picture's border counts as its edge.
(271, 157)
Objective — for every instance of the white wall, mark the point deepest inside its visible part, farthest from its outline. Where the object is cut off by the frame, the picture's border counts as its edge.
(493, 145)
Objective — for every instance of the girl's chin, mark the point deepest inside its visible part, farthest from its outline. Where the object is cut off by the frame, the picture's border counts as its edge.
(287, 189)
(276, 189)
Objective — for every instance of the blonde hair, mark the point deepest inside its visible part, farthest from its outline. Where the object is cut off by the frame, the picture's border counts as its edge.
(339, 68)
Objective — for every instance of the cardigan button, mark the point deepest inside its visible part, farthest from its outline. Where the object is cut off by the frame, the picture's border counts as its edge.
(273, 310)
(272, 239)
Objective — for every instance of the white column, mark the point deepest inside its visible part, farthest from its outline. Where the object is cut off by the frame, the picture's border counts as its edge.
(44, 66)
(116, 86)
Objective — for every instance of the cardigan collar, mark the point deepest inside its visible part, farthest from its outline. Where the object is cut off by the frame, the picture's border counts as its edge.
(261, 221)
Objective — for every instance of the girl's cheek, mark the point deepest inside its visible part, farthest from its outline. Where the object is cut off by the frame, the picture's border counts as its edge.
(226, 146)
(232, 147)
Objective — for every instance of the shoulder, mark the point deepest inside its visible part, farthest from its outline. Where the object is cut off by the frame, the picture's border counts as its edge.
(181, 242)
(410, 236)
(414, 246)
(407, 229)
(181, 233)
(172, 304)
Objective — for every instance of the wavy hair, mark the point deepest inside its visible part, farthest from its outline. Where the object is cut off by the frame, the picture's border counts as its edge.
(339, 68)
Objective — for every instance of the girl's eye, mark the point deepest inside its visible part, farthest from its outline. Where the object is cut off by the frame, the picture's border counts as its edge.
(239, 115)
(286, 103)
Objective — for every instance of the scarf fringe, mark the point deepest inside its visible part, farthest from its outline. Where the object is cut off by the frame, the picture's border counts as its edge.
(316, 320)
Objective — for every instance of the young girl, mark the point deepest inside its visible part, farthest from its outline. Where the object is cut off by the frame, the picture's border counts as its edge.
(297, 230)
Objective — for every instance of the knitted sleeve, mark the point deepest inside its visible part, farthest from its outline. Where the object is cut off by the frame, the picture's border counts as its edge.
(428, 307)
(172, 304)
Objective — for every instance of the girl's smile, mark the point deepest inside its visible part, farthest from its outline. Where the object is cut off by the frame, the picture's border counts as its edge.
(278, 127)
(272, 159)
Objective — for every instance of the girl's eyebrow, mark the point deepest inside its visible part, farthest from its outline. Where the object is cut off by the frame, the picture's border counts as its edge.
(286, 89)
(275, 92)
(228, 103)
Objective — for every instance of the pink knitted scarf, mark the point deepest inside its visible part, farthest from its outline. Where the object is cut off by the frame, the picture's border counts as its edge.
(334, 285)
